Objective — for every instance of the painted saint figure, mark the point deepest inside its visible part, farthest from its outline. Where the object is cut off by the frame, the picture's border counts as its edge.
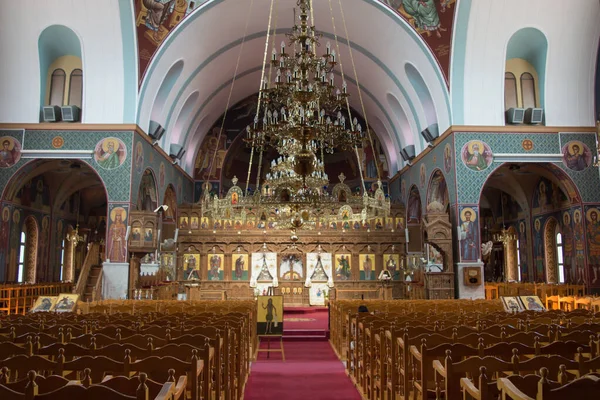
(469, 236)
(578, 235)
(271, 316)
(567, 242)
(158, 11)
(215, 267)
(239, 268)
(593, 235)
(117, 231)
(7, 155)
(343, 269)
(109, 158)
(538, 253)
(575, 159)
(368, 267)
(476, 160)
(426, 15)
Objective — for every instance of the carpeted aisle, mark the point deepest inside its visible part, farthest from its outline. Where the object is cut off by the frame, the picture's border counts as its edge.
(311, 372)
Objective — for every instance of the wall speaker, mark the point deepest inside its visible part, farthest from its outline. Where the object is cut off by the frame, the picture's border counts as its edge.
(515, 115)
(51, 114)
(533, 116)
(431, 133)
(70, 113)
(155, 131)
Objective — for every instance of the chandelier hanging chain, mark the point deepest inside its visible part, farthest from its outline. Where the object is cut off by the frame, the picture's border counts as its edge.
(302, 115)
(262, 77)
(337, 45)
(237, 65)
(362, 105)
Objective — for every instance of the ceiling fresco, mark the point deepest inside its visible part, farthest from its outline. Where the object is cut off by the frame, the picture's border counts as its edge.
(432, 19)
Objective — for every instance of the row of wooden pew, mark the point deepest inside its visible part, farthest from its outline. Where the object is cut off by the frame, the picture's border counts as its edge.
(202, 355)
(400, 350)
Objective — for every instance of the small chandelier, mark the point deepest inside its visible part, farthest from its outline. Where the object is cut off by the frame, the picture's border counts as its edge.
(504, 236)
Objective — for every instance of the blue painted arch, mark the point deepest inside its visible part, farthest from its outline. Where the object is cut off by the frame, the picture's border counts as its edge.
(374, 3)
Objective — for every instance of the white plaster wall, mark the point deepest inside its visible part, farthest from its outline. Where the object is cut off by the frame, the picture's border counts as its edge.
(572, 30)
(98, 26)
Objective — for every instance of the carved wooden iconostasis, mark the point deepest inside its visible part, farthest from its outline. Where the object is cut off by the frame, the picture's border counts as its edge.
(244, 258)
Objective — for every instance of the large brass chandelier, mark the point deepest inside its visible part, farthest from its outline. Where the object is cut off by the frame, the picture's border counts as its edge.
(303, 115)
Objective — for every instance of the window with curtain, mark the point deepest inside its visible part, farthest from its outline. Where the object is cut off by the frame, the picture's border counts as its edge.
(560, 258)
(76, 88)
(510, 91)
(528, 90)
(57, 87)
(22, 249)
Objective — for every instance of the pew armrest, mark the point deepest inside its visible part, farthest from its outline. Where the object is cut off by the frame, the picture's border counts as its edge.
(468, 386)
(166, 393)
(415, 353)
(179, 390)
(507, 388)
(439, 368)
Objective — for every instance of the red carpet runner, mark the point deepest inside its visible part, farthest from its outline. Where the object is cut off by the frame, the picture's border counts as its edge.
(311, 371)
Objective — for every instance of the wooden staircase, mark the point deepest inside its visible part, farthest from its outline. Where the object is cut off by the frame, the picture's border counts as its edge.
(89, 284)
(89, 293)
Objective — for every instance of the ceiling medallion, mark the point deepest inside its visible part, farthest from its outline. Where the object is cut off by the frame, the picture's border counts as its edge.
(527, 144)
(58, 142)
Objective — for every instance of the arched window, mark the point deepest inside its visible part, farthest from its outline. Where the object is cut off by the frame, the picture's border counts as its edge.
(518, 261)
(62, 259)
(22, 250)
(528, 90)
(559, 257)
(510, 91)
(76, 88)
(57, 87)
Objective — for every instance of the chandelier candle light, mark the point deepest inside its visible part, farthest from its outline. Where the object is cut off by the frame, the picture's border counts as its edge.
(304, 116)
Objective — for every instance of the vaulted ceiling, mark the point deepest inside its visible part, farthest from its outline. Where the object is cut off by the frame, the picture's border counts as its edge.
(189, 82)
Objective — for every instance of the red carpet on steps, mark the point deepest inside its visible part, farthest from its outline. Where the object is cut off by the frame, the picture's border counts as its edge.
(311, 371)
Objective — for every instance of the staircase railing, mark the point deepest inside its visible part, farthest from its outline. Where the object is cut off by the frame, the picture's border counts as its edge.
(97, 292)
(92, 258)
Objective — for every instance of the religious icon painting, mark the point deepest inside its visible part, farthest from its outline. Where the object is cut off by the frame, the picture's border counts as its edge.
(215, 267)
(148, 235)
(194, 224)
(389, 223)
(10, 151)
(423, 175)
(44, 304)
(512, 304)
(468, 234)
(139, 156)
(391, 263)
(399, 223)
(66, 303)
(239, 267)
(116, 247)
(447, 158)
(110, 153)
(161, 175)
(204, 223)
(532, 303)
(318, 293)
(184, 223)
(269, 317)
(576, 155)
(191, 267)
(366, 263)
(343, 266)
(476, 155)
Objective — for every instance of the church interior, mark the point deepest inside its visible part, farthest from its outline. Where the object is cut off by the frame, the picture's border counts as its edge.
(221, 196)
